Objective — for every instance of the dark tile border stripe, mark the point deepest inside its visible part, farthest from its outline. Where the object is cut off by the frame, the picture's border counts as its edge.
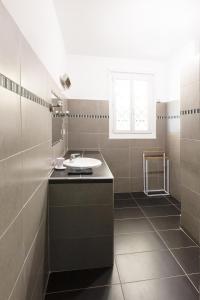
(88, 116)
(192, 111)
(16, 88)
(168, 117)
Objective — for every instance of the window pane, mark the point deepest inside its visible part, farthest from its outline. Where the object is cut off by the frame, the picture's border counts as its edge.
(122, 104)
(141, 100)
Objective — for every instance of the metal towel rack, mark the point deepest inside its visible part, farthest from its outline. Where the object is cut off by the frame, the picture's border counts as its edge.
(151, 156)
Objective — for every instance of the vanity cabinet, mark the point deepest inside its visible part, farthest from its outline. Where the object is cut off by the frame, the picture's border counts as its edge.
(81, 221)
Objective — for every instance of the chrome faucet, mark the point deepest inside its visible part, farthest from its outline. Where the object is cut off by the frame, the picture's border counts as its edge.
(74, 155)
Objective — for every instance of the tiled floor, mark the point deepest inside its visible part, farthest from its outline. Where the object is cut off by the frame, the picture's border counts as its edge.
(154, 259)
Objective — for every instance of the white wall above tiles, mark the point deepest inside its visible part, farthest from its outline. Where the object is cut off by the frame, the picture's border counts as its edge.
(90, 75)
(38, 22)
(175, 66)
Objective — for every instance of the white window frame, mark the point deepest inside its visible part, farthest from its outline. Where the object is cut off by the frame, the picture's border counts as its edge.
(132, 134)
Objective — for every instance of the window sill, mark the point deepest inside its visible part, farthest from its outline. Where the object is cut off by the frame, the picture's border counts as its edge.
(128, 136)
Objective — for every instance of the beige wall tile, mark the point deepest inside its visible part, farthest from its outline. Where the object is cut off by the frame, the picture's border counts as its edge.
(161, 108)
(103, 126)
(122, 185)
(82, 141)
(19, 291)
(58, 150)
(77, 106)
(32, 274)
(175, 180)
(173, 146)
(137, 184)
(191, 224)
(106, 143)
(190, 175)
(84, 125)
(25, 161)
(33, 214)
(11, 257)
(35, 122)
(10, 190)
(36, 166)
(190, 151)
(190, 201)
(35, 265)
(190, 126)
(118, 160)
(10, 129)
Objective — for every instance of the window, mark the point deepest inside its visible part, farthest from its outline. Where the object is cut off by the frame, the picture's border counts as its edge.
(132, 106)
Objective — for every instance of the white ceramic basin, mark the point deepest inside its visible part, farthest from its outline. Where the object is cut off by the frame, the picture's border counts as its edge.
(82, 163)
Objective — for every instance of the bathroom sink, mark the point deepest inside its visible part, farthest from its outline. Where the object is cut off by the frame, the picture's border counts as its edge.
(82, 163)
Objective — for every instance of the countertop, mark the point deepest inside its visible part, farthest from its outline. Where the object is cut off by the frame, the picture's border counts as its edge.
(100, 174)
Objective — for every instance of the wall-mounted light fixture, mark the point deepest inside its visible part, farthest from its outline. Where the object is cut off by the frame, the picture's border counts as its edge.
(65, 81)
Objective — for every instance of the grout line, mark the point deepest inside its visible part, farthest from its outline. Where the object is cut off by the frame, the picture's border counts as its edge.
(172, 203)
(173, 255)
(121, 208)
(15, 218)
(27, 256)
(133, 232)
(125, 207)
(46, 285)
(115, 284)
(25, 150)
(178, 216)
(125, 219)
(84, 288)
(146, 217)
(152, 279)
(162, 205)
(189, 237)
(115, 262)
(154, 250)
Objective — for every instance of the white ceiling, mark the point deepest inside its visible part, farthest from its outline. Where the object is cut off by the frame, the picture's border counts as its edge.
(146, 29)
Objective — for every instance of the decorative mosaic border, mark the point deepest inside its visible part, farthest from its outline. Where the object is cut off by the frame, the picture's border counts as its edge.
(58, 114)
(190, 111)
(92, 116)
(168, 117)
(88, 116)
(16, 88)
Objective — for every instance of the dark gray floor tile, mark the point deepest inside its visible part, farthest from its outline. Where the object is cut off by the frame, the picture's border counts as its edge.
(102, 293)
(152, 201)
(120, 203)
(70, 280)
(196, 280)
(131, 226)
(188, 259)
(128, 213)
(147, 265)
(174, 201)
(138, 195)
(122, 196)
(165, 223)
(176, 239)
(138, 242)
(178, 288)
(160, 211)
